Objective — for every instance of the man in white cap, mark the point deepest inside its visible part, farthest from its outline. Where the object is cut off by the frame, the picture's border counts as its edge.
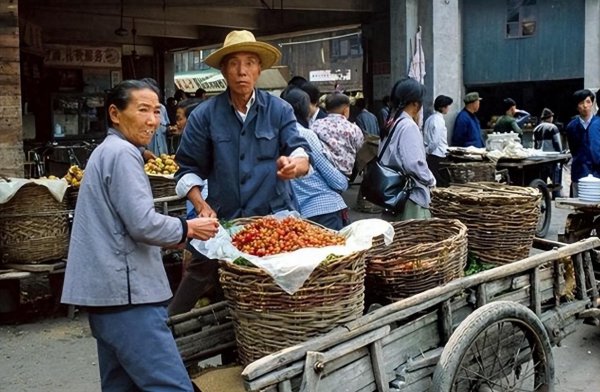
(243, 141)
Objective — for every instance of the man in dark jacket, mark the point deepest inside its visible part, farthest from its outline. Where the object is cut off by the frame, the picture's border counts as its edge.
(243, 141)
(583, 135)
(467, 130)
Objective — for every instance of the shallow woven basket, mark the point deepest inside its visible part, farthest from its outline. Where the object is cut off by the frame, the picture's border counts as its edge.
(501, 218)
(463, 172)
(34, 227)
(162, 186)
(424, 255)
(267, 319)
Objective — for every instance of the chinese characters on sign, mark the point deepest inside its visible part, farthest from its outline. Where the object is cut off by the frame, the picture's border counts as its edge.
(327, 75)
(84, 56)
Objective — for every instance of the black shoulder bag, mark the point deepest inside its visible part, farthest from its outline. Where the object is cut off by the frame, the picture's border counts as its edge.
(384, 186)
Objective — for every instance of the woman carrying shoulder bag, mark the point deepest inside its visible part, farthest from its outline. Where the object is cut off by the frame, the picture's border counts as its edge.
(406, 151)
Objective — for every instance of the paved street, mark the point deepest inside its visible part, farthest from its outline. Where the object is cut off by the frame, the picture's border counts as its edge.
(57, 355)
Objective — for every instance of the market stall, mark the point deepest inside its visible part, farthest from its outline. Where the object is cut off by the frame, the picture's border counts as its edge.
(513, 165)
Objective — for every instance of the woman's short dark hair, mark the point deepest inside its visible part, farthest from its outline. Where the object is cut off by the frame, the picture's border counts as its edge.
(441, 101)
(188, 105)
(406, 91)
(312, 90)
(120, 95)
(300, 102)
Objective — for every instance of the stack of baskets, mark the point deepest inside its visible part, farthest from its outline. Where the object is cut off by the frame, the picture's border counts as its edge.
(162, 185)
(463, 172)
(267, 319)
(34, 227)
(424, 255)
(501, 218)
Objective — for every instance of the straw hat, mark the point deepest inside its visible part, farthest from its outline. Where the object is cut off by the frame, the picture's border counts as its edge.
(244, 41)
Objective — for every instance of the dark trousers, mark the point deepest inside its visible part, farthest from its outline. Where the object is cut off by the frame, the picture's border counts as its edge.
(442, 177)
(201, 279)
(333, 220)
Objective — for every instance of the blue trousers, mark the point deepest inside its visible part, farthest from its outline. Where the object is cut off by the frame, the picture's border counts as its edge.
(137, 352)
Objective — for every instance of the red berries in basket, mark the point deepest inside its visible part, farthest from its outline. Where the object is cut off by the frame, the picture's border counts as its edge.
(269, 236)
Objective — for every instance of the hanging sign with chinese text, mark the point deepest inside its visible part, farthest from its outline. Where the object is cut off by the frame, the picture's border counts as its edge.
(328, 75)
(82, 56)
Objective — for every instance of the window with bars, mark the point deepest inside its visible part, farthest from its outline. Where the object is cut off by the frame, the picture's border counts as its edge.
(520, 18)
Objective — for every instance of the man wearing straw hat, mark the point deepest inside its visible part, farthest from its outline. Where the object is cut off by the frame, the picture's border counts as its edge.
(243, 141)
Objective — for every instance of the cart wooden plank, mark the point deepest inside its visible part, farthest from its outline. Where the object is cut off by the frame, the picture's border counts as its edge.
(572, 203)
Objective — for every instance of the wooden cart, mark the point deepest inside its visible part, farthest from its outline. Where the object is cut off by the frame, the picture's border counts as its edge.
(534, 172)
(492, 331)
(583, 222)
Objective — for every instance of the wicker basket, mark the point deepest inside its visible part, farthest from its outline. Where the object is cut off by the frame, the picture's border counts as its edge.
(34, 227)
(71, 196)
(463, 172)
(501, 218)
(267, 319)
(162, 186)
(424, 255)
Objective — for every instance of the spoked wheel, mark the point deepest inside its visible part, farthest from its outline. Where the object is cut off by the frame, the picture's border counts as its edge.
(501, 347)
(545, 207)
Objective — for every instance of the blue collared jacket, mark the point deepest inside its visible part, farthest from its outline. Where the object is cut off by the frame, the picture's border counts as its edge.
(467, 130)
(584, 144)
(239, 158)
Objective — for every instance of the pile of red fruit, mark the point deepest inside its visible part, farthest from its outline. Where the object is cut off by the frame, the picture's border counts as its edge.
(269, 236)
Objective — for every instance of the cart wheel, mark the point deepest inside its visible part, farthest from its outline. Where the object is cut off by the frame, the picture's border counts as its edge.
(545, 207)
(502, 346)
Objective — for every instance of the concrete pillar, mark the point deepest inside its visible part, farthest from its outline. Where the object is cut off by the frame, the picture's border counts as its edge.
(403, 26)
(447, 67)
(441, 36)
(591, 67)
(11, 125)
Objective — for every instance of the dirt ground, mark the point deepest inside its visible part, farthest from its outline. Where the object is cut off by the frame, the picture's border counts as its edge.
(58, 354)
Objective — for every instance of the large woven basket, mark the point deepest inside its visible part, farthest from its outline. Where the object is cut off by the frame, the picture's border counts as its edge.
(463, 172)
(501, 218)
(267, 319)
(34, 227)
(162, 186)
(424, 255)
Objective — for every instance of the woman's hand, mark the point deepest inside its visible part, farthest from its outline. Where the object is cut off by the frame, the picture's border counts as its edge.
(202, 228)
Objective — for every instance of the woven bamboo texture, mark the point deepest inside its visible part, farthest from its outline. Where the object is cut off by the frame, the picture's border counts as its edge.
(34, 227)
(463, 172)
(162, 186)
(424, 255)
(501, 218)
(71, 196)
(267, 319)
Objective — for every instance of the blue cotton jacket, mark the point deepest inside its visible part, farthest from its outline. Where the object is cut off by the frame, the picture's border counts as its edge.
(239, 159)
(467, 131)
(114, 253)
(585, 148)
